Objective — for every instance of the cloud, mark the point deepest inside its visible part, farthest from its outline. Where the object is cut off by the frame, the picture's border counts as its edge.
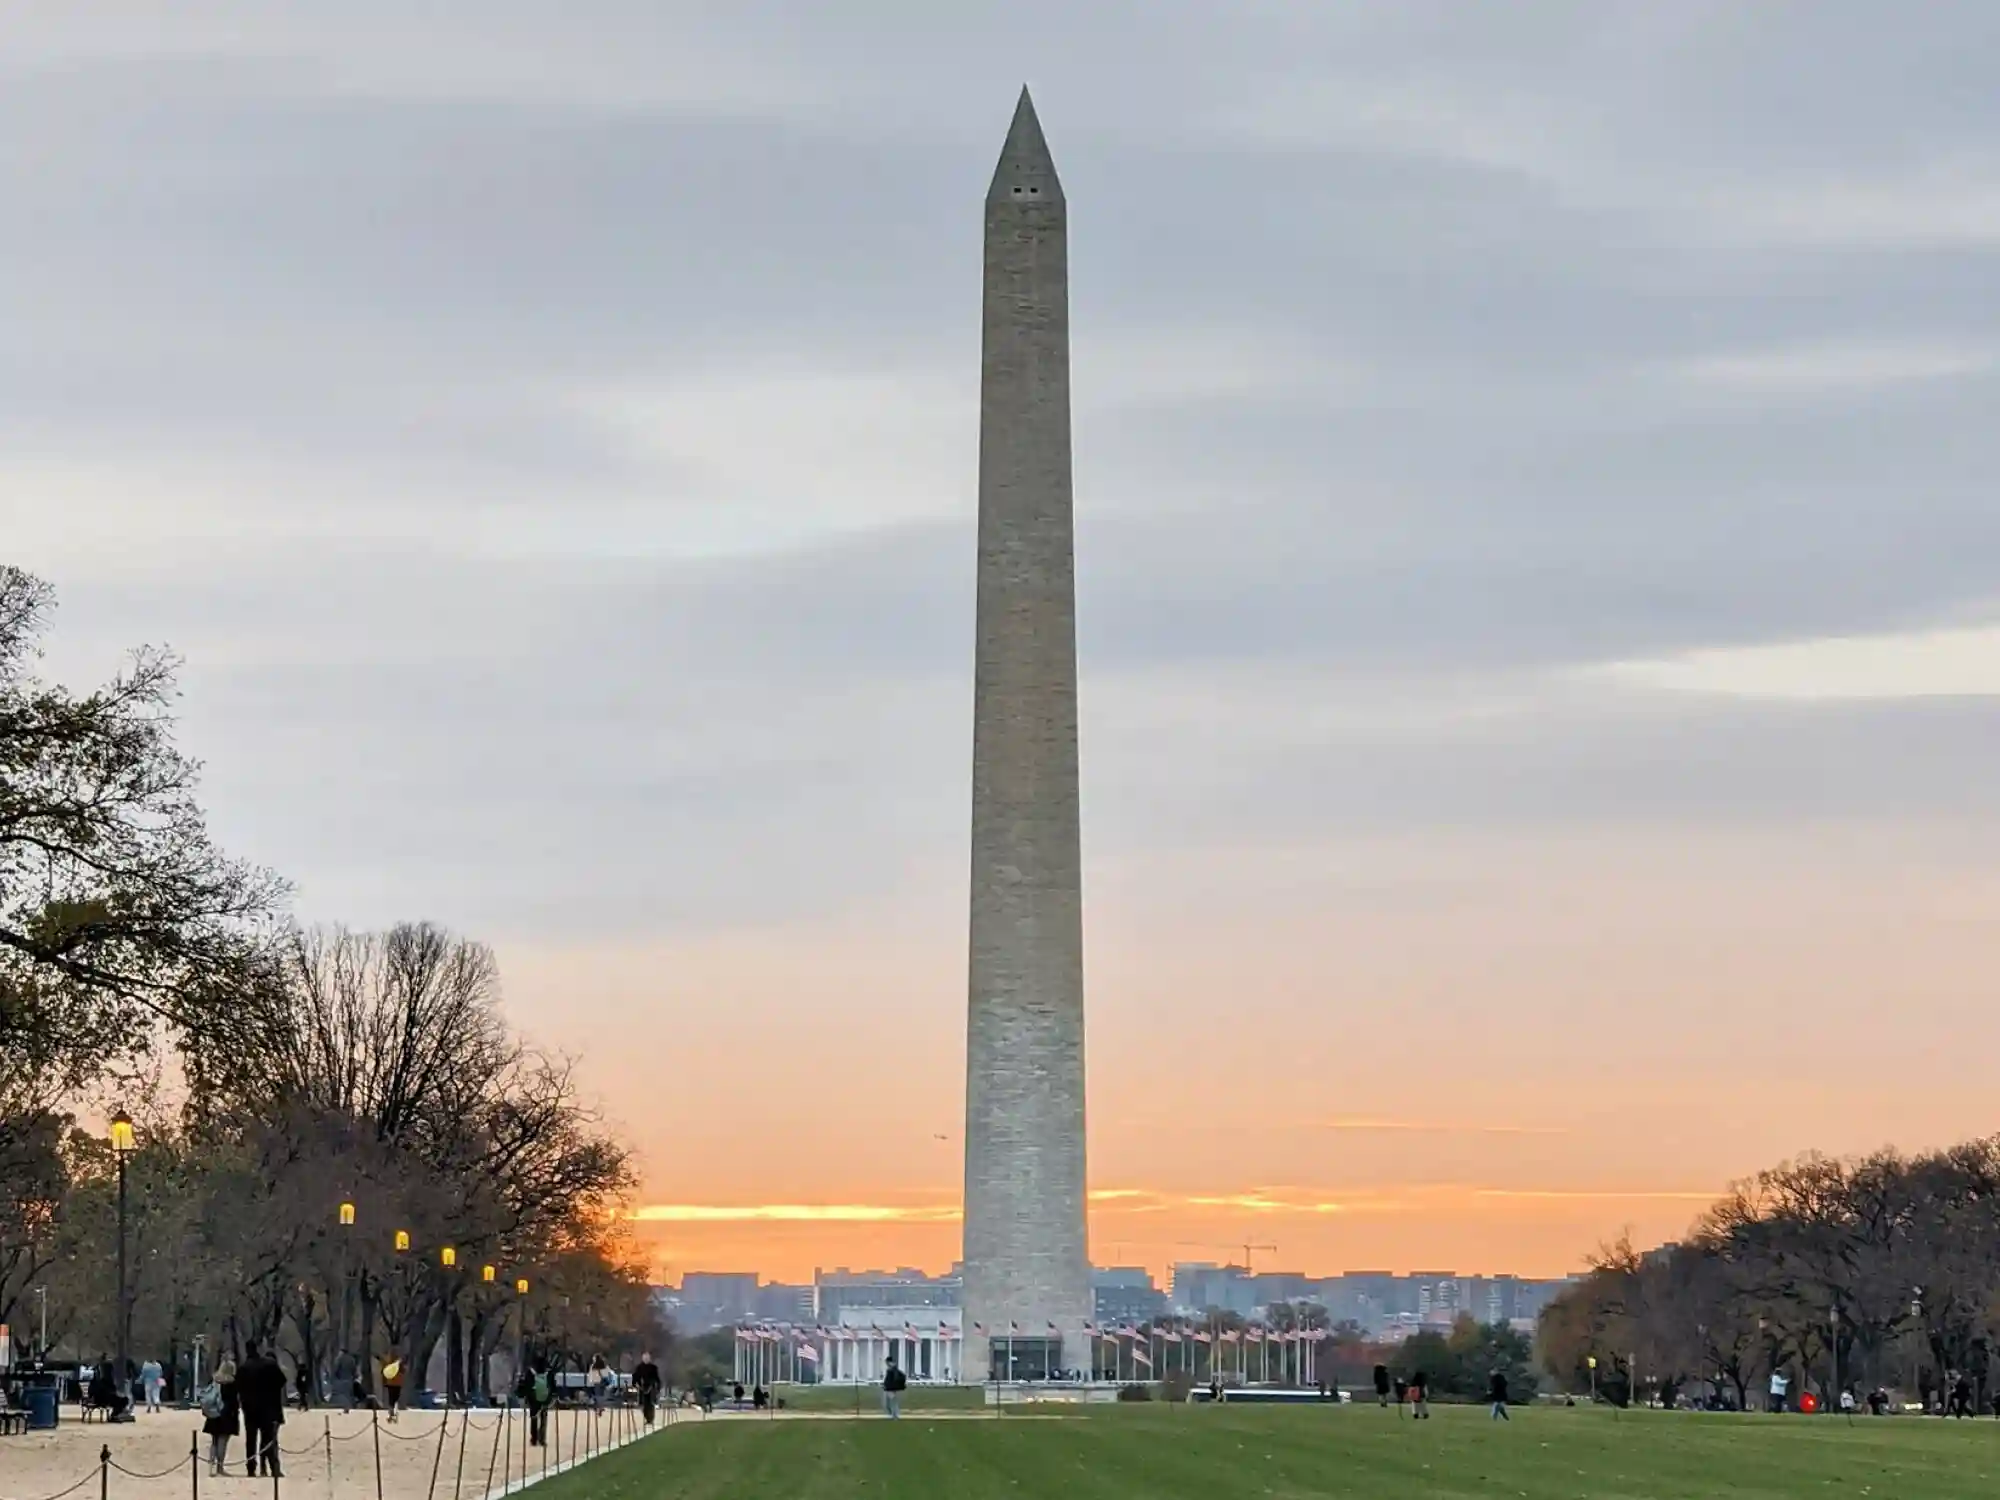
(1425, 1127)
(552, 442)
(1944, 663)
(1836, 367)
(794, 1213)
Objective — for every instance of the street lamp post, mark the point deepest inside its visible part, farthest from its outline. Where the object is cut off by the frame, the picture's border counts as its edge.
(1917, 1354)
(122, 1144)
(1833, 1347)
(520, 1328)
(346, 1217)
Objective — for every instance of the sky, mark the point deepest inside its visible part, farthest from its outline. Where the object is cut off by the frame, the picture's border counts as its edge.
(1539, 577)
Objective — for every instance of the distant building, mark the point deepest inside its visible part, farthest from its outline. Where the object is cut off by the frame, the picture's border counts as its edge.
(1125, 1294)
(836, 1292)
(1269, 1287)
(779, 1303)
(715, 1299)
(1200, 1286)
(861, 1344)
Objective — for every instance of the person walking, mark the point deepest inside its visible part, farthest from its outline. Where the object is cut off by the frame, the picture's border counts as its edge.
(894, 1383)
(1382, 1386)
(1780, 1384)
(151, 1378)
(536, 1389)
(344, 1383)
(646, 1381)
(600, 1381)
(220, 1414)
(260, 1389)
(1496, 1392)
(1420, 1396)
(392, 1382)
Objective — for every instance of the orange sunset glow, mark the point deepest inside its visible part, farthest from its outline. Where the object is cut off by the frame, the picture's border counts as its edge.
(1455, 1079)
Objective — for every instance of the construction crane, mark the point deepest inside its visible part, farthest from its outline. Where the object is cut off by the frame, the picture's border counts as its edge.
(1272, 1249)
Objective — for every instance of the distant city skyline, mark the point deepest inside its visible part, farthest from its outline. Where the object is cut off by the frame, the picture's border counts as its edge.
(1382, 1303)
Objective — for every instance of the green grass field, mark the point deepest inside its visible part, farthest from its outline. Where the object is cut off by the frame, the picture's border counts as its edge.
(1157, 1453)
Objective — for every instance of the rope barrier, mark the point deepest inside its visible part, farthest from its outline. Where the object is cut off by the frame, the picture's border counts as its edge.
(135, 1474)
(388, 1430)
(59, 1494)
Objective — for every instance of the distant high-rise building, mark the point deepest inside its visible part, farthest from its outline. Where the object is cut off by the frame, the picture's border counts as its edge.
(711, 1299)
(1125, 1294)
(1201, 1286)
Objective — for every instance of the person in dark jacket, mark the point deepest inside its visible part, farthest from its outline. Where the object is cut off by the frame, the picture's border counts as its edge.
(646, 1381)
(1496, 1392)
(220, 1415)
(260, 1388)
(537, 1388)
(1382, 1384)
(1420, 1395)
(894, 1383)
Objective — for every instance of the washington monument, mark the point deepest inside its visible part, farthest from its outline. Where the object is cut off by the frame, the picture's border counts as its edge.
(1027, 1259)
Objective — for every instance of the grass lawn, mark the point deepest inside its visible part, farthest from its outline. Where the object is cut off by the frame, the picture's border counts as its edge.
(842, 1398)
(1156, 1453)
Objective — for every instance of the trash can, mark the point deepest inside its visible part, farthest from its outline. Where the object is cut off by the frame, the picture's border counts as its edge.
(40, 1400)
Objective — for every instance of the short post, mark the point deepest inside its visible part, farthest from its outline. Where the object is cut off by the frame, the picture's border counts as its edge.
(375, 1425)
(194, 1464)
(493, 1462)
(104, 1473)
(437, 1458)
(464, 1427)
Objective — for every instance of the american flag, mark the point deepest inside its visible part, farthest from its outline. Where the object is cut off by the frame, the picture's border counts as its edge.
(1172, 1336)
(1141, 1357)
(809, 1354)
(1202, 1338)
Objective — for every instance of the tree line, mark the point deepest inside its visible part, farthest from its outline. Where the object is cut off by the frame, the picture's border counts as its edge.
(339, 1147)
(1876, 1273)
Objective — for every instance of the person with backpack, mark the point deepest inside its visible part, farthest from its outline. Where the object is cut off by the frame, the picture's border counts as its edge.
(536, 1390)
(894, 1383)
(1496, 1392)
(220, 1414)
(392, 1382)
(1420, 1395)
